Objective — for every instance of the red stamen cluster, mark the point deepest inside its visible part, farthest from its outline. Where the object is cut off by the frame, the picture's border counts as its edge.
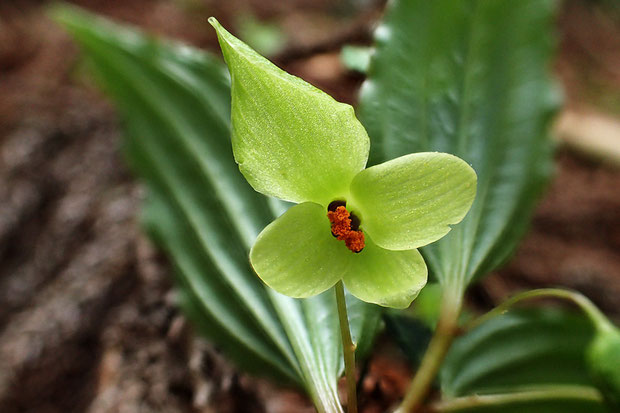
(340, 219)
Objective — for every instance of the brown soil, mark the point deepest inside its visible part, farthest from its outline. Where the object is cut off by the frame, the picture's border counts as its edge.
(87, 316)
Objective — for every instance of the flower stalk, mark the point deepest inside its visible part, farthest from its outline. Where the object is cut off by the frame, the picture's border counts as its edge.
(438, 347)
(499, 401)
(348, 348)
(594, 314)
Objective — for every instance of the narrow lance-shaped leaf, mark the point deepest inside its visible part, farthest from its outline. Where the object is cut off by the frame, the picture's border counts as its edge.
(530, 361)
(130, 75)
(174, 101)
(469, 78)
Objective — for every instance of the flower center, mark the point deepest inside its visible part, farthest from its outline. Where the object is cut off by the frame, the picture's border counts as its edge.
(345, 226)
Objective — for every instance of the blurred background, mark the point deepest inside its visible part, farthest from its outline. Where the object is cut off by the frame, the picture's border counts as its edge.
(87, 314)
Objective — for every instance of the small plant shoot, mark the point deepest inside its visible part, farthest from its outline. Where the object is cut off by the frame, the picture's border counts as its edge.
(362, 226)
(436, 180)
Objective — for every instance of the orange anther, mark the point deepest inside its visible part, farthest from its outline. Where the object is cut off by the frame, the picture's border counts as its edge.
(355, 241)
(340, 219)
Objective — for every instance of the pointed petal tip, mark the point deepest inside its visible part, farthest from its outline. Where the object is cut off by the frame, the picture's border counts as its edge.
(291, 140)
(213, 22)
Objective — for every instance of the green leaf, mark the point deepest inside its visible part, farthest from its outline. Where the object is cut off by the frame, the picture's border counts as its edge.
(411, 334)
(174, 101)
(290, 139)
(207, 300)
(469, 78)
(412, 200)
(528, 360)
(427, 306)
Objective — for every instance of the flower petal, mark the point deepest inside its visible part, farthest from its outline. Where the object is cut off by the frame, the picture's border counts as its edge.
(297, 255)
(384, 277)
(411, 201)
(290, 139)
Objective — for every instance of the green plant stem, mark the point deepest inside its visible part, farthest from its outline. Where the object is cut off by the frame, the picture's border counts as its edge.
(438, 347)
(348, 348)
(551, 392)
(596, 316)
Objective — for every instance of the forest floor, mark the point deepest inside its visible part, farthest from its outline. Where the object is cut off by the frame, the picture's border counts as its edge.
(87, 315)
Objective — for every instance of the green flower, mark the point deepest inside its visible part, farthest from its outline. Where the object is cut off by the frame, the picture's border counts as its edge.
(294, 142)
